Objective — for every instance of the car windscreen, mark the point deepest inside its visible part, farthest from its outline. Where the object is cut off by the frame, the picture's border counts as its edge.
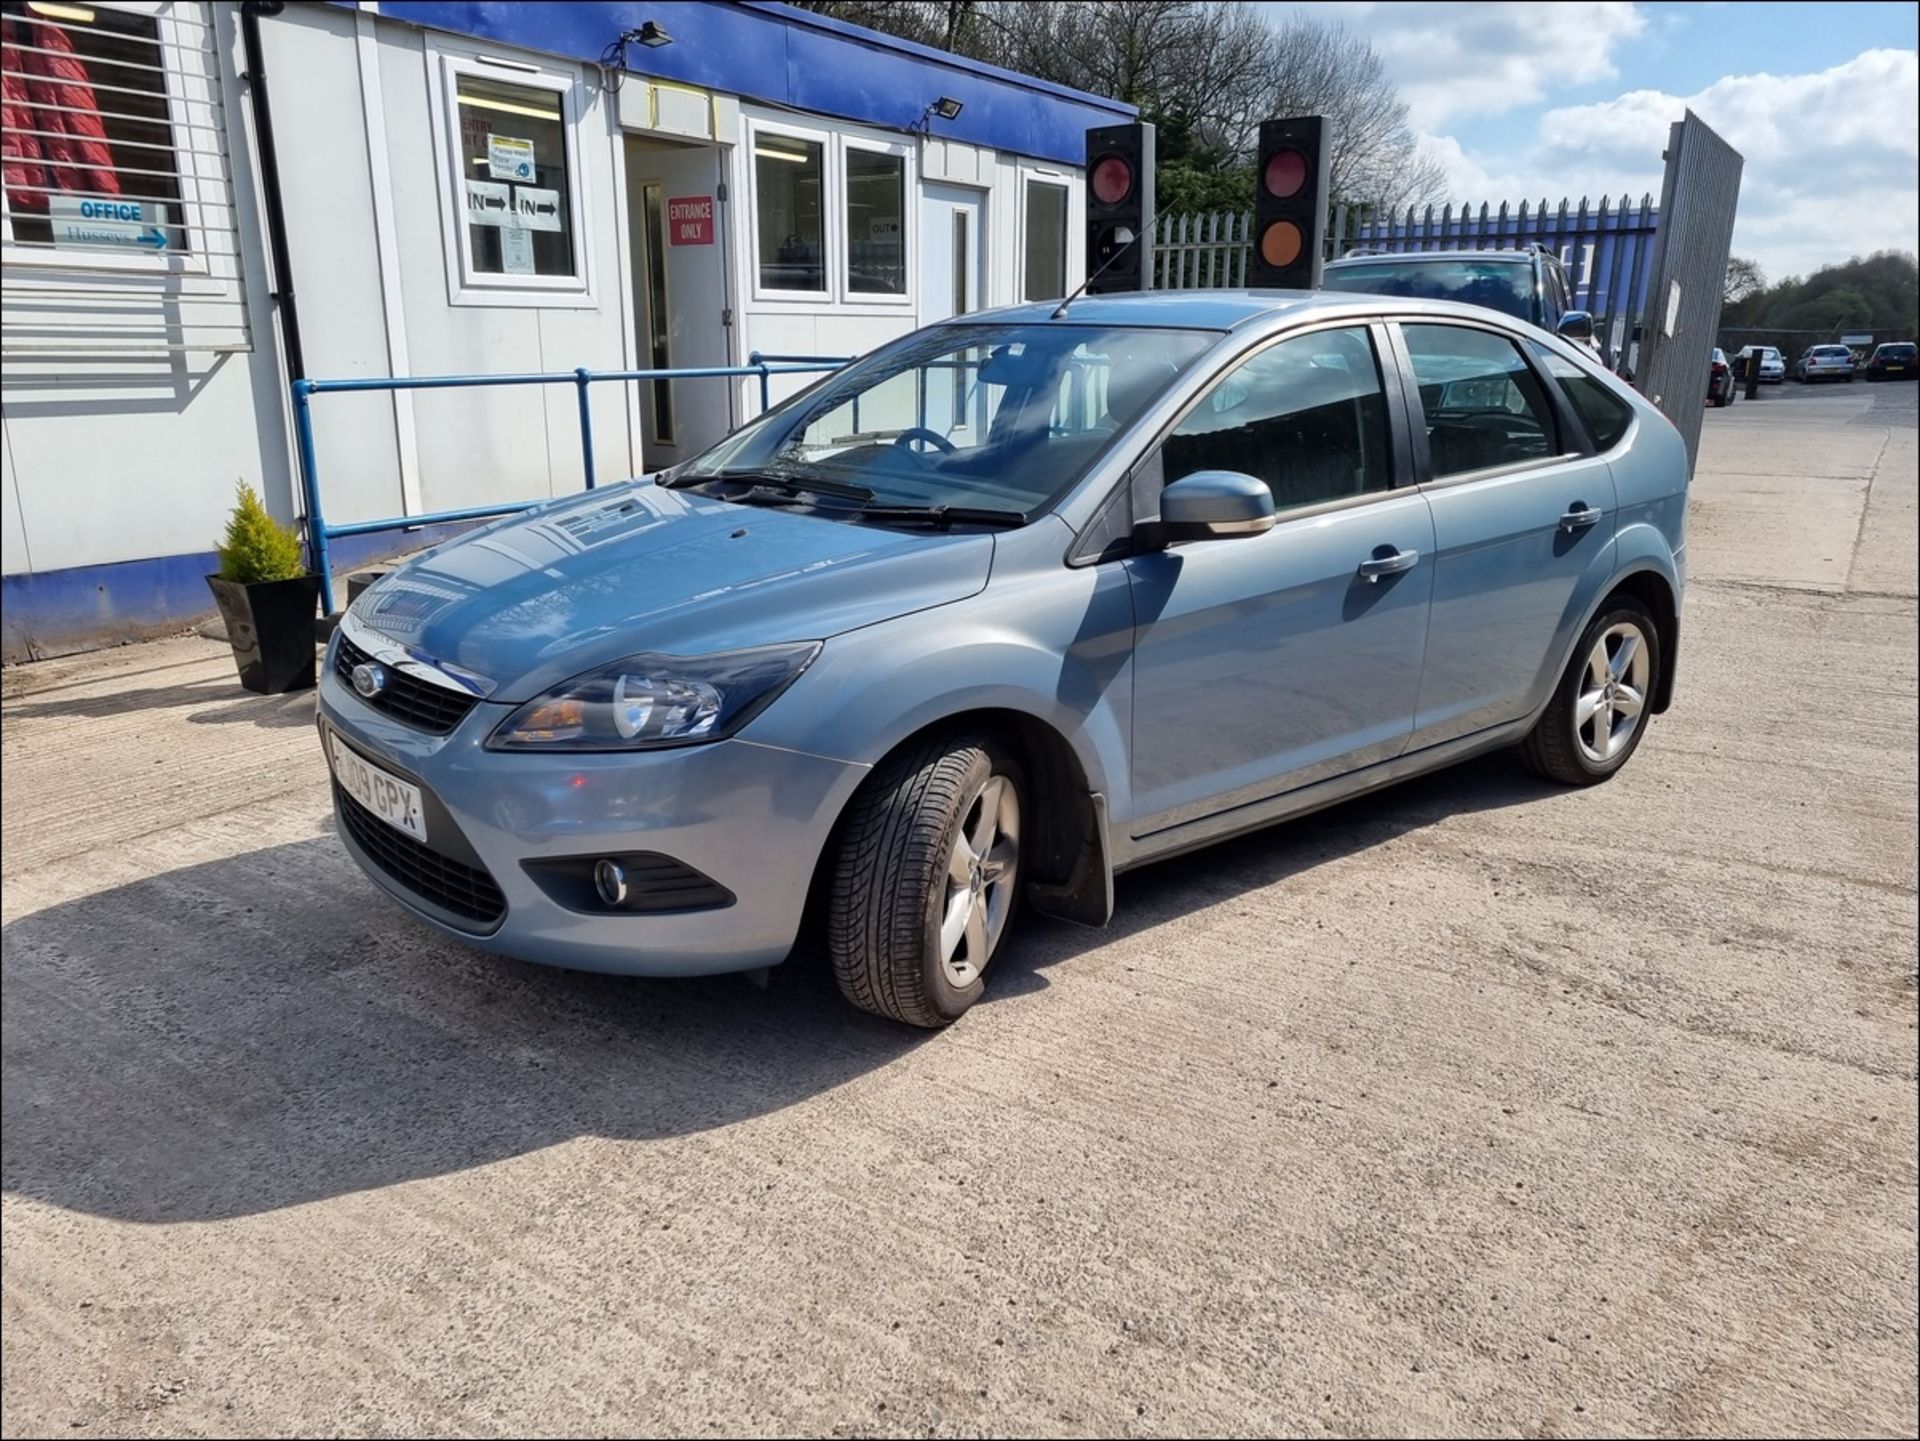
(1000, 417)
(1831, 352)
(1502, 285)
(1898, 352)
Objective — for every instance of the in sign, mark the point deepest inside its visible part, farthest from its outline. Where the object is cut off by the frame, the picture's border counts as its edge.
(690, 220)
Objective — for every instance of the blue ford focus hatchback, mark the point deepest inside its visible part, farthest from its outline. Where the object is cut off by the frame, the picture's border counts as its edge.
(1004, 608)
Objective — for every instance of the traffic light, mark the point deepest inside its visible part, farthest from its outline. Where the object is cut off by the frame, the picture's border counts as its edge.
(1120, 207)
(1290, 205)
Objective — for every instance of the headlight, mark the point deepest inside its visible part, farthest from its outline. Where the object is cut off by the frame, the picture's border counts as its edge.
(650, 700)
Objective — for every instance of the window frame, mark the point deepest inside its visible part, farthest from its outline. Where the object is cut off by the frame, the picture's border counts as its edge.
(447, 62)
(836, 253)
(909, 222)
(196, 173)
(1030, 176)
(1568, 426)
(830, 222)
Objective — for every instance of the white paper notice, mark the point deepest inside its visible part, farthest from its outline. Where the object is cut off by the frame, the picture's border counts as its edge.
(516, 250)
(489, 204)
(537, 209)
(508, 158)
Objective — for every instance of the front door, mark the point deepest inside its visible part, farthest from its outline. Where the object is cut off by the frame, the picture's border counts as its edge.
(1523, 529)
(952, 275)
(1274, 661)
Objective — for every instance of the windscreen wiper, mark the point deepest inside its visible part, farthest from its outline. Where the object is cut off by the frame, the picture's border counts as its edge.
(792, 485)
(943, 516)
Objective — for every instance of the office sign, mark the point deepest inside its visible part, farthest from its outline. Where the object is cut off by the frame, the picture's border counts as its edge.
(105, 220)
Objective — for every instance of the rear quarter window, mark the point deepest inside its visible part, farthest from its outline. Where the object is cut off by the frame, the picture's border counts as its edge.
(1606, 416)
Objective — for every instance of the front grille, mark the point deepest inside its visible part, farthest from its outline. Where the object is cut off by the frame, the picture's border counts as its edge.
(406, 698)
(461, 889)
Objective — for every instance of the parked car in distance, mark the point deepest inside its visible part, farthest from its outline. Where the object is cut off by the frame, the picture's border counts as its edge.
(1824, 362)
(1528, 283)
(1720, 389)
(1893, 360)
(1075, 592)
(1773, 365)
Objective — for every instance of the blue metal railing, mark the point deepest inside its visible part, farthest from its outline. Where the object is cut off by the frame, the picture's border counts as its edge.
(319, 533)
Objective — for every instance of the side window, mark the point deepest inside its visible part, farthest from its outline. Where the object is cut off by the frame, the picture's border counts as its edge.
(1607, 416)
(1307, 416)
(1483, 406)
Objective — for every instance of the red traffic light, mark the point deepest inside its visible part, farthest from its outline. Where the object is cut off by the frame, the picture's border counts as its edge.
(1112, 180)
(1285, 174)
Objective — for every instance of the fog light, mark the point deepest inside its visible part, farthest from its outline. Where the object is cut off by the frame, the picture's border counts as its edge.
(610, 879)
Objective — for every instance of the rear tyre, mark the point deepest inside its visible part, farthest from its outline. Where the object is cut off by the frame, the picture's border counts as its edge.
(926, 880)
(1600, 709)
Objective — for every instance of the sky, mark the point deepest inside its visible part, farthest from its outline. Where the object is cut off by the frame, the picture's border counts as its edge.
(1544, 100)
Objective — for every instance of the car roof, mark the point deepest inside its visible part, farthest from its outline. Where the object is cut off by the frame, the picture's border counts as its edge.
(1220, 309)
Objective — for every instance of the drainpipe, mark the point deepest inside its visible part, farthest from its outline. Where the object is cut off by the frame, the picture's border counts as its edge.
(276, 215)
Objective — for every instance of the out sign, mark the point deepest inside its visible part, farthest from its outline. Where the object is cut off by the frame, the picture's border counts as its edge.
(690, 220)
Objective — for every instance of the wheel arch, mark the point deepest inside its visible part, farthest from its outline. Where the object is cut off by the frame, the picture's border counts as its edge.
(1654, 591)
(1069, 873)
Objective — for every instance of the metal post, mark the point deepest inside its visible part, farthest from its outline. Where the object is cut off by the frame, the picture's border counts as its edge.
(581, 377)
(766, 389)
(317, 558)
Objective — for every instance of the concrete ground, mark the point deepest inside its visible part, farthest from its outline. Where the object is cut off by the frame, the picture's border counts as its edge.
(1478, 1106)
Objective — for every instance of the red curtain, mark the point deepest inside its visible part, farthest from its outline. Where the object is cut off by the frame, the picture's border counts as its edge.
(50, 94)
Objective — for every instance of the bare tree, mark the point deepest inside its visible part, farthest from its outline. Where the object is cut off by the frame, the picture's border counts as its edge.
(1744, 278)
(1205, 73)
(1322, 69)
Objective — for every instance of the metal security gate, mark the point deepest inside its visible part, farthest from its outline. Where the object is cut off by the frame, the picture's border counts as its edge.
(1607, 248)
(1682, 315)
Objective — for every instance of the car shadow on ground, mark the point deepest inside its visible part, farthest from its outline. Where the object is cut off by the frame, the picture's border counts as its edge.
(264, 1030)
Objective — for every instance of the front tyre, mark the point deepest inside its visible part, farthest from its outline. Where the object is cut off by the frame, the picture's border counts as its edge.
(925, 880)
(1599, 710)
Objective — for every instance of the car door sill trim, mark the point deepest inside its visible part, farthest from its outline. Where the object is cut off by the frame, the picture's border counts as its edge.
(1255, 815)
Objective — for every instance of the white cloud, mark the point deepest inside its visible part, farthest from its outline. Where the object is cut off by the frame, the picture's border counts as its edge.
(1830, 168)
(1478, 59)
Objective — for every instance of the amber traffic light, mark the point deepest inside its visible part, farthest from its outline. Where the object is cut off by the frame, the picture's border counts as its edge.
(1290, 205)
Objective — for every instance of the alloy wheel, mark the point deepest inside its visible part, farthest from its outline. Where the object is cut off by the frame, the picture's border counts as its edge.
(982, 871)
(1613, 694)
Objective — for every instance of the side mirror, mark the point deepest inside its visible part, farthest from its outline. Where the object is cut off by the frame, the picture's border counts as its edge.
(1577, 326)
(1213, 504)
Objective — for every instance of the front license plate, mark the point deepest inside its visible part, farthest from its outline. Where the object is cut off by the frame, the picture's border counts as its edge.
(387, 796)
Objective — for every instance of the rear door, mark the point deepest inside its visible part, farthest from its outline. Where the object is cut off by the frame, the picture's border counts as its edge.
(1523, 518)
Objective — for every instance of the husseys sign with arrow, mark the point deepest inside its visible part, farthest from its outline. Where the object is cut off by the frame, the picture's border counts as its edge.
(104, 220)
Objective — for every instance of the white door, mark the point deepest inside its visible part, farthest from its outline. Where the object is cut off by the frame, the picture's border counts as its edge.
(952, 282)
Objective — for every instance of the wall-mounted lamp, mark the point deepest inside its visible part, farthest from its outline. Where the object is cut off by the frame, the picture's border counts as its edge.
(947, 108)
(613, 60)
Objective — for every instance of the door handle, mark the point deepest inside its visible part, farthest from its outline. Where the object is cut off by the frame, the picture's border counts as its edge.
(1580, 516)
(1392, 563)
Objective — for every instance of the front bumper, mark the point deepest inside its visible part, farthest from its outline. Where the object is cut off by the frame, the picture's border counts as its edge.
(752, 818)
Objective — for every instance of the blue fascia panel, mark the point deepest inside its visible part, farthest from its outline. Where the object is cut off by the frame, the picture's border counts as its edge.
(56, 612)
(773, 53)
